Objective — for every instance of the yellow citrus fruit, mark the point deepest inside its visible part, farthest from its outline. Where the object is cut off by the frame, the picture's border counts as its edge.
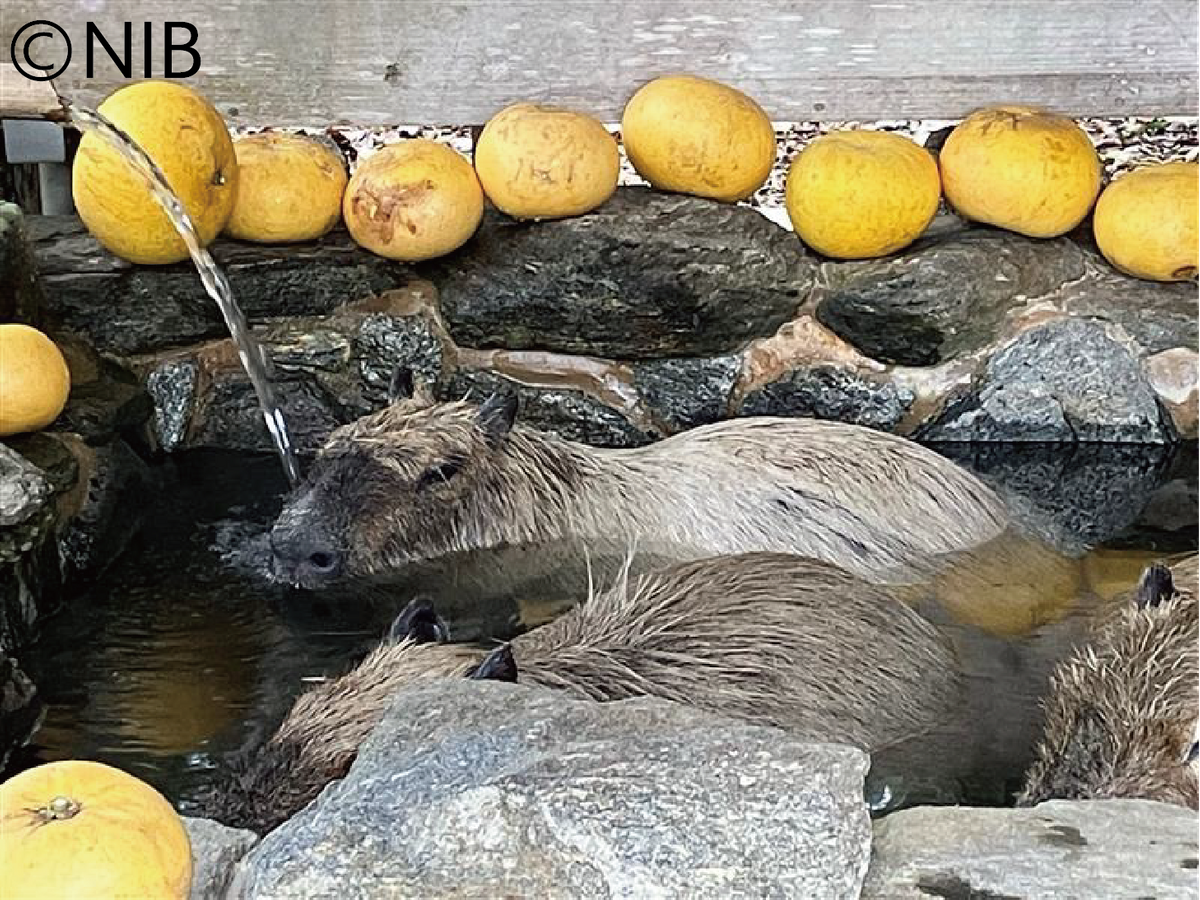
(413, 200)
(856, 194)
(77, 830)
(1145, 222)
(34, 380)
(696, 136)
(544, 162)
(290, 188)
(186, 137)
(1020, 168)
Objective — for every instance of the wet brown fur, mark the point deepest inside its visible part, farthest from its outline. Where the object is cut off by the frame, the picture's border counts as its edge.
(769, 638)
(1121, 713)
(871, 502)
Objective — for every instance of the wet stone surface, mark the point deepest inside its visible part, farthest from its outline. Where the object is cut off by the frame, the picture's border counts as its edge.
(172, 387)
(945, 296)
(1077, 499)
(673, 305)
(647, 275)
(385, 342)
(687, 393)
(571, 414)
(123, 308)
(1066, 381)
(825, 392)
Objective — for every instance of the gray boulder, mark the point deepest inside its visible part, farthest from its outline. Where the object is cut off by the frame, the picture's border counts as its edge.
(829, 392)
(1103, 849)
(216, 849)
(481, 789)
(1066, 381)
(645, 275)
(946, 295)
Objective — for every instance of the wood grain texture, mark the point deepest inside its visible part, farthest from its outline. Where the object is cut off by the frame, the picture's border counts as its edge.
(375, 62)
(21, 98)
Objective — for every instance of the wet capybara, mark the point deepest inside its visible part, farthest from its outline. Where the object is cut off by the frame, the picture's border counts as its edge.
(421, 479)
(772, 639)
(1122, 711)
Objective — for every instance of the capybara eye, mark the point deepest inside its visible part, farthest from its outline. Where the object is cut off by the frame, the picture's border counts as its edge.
(440, 473)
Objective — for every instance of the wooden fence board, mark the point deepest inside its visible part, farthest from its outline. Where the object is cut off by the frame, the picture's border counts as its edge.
(374, 62)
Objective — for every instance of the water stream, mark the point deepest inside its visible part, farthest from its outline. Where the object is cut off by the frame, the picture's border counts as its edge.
(254, 360)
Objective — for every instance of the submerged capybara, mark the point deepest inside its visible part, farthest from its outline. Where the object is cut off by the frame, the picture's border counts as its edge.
(1122, 711)
(421, 479)
(769, 638)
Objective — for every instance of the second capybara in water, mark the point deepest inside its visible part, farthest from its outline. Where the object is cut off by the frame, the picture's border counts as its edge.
(1122, 711)
(420, 480)
(772, 639)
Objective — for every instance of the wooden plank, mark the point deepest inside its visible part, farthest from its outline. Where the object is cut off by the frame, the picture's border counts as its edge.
(21, 98)
(374, 62)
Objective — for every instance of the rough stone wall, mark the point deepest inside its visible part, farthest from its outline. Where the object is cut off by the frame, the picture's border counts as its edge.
(654, 314)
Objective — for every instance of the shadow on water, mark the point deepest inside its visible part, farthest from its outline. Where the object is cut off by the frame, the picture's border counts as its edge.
(184, 652)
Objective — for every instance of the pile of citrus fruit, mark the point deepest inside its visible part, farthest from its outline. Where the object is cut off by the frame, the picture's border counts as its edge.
(850, 194)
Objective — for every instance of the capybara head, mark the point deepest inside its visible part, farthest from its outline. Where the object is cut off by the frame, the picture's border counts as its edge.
(393, 487)
(1122, 712)
(320, 737)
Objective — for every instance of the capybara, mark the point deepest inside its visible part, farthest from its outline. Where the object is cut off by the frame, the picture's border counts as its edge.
(421, 479)
(1122, 711)
(772, 639)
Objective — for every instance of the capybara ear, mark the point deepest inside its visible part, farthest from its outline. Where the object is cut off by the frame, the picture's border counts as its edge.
(420, 622)
(1155, 586)
(401, 386)
(496, 416)
(498, 665)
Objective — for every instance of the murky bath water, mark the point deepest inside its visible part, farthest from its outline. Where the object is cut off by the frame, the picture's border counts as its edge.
(182, 654)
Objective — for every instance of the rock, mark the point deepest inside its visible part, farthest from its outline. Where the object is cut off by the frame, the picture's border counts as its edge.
(20, 293)
(1174, 376)
(571, 414)
(385, 342)
(216, 849)
(944, 296)
(127, 309)
(830, 392)
(103, 515)
(1065, 381)
(1167, 520)
(29, 567)
(23, 488)
(482, 789)
(687, 393)
(1074, 500)
(646, 275)
(328, 371)
(1103, 849)
(172, 389)
(228, 416)
(1157, 316)
(20, 709)
(106, 399)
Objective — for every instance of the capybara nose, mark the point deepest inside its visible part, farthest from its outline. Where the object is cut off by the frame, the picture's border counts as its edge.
(304, 559)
